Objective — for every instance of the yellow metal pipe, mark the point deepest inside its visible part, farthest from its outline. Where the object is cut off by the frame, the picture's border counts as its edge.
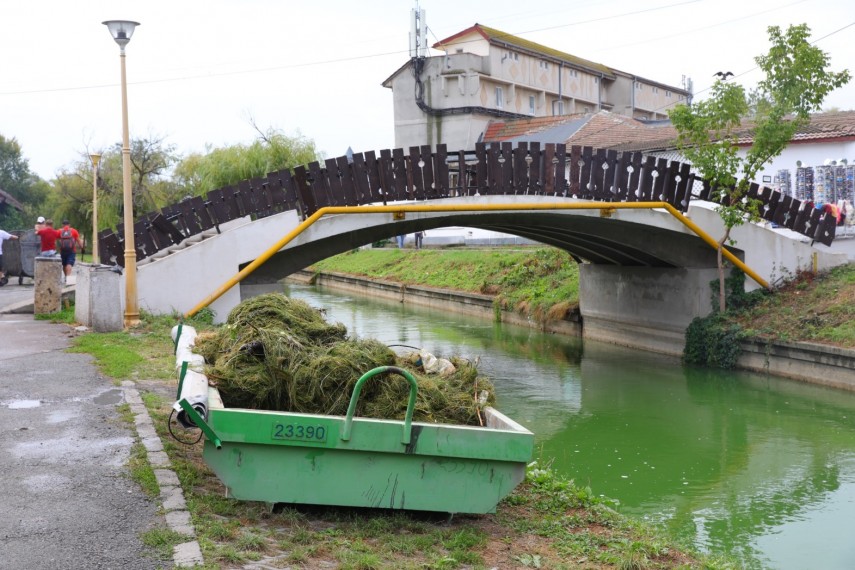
(714, 244)
(420, 208)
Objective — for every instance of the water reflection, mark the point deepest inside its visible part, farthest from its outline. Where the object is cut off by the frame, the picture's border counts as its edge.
(756, 467)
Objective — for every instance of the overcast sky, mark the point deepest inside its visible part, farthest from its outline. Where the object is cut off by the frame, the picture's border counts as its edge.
(200, 71)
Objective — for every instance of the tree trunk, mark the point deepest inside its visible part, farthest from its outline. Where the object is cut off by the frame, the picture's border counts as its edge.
(722, 297)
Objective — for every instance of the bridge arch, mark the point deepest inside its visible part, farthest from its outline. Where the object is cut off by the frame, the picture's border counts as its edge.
(645, 278)
(639, 238)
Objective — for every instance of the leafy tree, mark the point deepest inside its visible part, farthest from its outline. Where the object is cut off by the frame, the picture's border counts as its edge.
(796, 83)
(198, 173)
(153, 188)
(24, 186)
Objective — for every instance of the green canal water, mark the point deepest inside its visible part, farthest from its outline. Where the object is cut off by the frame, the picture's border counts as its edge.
(759, 468)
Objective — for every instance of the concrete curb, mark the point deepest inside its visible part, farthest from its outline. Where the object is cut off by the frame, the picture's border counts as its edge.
(186, 554)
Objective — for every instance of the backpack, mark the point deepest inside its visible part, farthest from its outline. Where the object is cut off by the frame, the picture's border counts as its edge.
(66, 240)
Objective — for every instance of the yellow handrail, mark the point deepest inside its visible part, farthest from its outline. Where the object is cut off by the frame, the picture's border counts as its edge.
(415, 208)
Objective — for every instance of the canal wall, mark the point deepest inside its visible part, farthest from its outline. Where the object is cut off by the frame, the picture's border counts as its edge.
(807, 362)
(810, 362)
(443, 299)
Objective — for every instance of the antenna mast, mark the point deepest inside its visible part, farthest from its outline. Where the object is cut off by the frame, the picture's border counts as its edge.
(418, 32)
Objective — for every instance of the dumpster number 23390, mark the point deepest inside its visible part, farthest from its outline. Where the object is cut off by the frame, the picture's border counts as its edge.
(299, 432)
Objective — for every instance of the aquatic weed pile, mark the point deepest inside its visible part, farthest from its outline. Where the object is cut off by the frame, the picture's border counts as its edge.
(278, 353)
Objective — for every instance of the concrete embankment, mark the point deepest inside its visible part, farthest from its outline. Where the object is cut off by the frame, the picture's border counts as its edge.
(807, 362)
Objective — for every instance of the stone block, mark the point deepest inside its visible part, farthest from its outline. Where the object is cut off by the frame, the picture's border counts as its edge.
(48, 285)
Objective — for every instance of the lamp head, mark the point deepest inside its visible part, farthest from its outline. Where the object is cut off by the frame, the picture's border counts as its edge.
(121, 30)
(95, 158)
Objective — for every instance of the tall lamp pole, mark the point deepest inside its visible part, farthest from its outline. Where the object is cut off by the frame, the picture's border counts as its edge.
(95, 158)
(122, 30)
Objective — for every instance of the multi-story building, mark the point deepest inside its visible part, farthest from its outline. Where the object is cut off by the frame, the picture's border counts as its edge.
(487, 74)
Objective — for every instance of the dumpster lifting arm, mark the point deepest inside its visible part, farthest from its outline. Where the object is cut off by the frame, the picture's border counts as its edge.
(411, 404)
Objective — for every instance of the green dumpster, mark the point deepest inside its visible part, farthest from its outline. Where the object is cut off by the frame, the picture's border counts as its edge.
(281, 457)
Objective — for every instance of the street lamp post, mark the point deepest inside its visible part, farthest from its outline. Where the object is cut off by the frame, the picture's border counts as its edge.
(95, 158)
(122, 30)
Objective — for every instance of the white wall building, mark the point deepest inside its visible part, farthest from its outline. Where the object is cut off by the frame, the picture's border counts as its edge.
(487, 74)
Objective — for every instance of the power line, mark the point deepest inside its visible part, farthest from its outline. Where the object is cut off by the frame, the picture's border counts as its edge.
(756, 67)
(206, 75)
(607, 128)
(694, 30)
(324, 62)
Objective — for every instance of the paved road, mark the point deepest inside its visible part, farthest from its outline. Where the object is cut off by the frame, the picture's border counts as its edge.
(66, 501)
(14, 295)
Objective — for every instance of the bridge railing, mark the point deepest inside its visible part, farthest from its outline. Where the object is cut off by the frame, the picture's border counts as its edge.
(491, 169)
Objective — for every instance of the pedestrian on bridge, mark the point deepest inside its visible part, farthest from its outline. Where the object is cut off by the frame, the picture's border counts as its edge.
(419, 237)
(4, 235)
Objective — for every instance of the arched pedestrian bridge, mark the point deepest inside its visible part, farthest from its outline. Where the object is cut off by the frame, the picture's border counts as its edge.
(642, 227)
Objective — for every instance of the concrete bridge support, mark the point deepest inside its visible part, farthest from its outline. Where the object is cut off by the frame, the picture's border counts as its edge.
(643, 307)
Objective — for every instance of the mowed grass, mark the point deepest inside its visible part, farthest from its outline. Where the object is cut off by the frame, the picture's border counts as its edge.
(137, 352)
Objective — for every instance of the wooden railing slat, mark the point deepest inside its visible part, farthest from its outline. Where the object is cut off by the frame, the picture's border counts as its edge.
(304, 190)
(440, 166)
(374, 178)
(332, 183)
(402, 183)
(482, 172)
(519, 176)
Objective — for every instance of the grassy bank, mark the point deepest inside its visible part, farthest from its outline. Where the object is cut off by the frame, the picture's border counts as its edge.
(810, 308)
(541, 282)
(548, 522)
(544, 282)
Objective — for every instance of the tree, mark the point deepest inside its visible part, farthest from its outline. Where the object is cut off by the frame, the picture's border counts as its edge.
(153, 188)
(24, 186)
(796, 83)
(198, 174)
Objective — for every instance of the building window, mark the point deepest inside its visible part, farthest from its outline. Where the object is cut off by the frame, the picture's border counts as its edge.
(638, 85)
(596, 80)
(500, 99)
(459, 50)
(531, 104)
(557, 108)
(668, 94)
(656, 90)
(544, 64)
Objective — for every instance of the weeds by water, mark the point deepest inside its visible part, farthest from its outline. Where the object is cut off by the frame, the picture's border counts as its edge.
(540, 282)
(814, 308)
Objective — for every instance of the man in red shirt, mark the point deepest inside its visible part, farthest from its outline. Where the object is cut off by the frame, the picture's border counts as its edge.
(69, 240)
(48, 236)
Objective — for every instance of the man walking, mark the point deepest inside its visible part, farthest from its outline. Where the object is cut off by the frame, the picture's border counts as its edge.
(48, 236)
(4, 235)
(69, 241)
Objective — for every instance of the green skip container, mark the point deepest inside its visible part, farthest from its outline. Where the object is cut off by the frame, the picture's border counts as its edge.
(283, 457)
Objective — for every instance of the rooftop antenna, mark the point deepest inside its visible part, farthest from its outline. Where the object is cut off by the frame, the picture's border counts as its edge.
(418, 32)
